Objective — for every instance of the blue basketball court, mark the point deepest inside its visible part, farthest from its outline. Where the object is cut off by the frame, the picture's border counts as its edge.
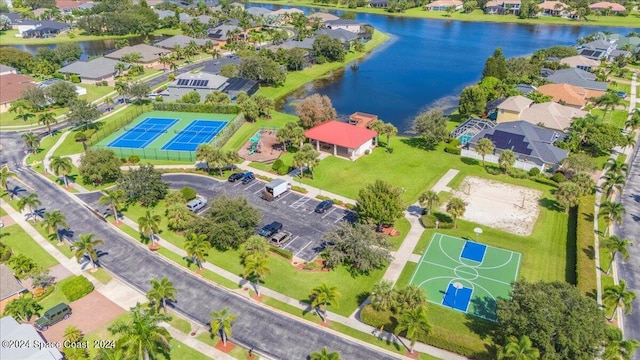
(198, 132)
(143, 134)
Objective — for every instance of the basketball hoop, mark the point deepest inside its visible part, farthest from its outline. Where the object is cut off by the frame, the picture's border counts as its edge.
(478, 231)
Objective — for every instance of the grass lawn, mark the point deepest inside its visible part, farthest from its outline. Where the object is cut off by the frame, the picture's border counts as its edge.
(9, 38)
(617, 118)
(102, 275)
(247, 129)
(55, 298)
(69, 146)
(10, 120)
(95, 92)
(45, 144)
(180, 324)
(21, 243)
(298, 78)
(619, 87)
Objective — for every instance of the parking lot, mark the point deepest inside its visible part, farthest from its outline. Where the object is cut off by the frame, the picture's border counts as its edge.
(295, 211)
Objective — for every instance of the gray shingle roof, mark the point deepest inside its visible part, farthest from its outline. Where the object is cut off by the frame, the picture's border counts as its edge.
(526, 140)
(149, 53)
(181, 40)
(577, 77)
(9, 285)
(340, 34)
(258, 11)
(95, 69)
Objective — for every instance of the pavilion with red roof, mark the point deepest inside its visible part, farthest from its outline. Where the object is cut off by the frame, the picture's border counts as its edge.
(342, 139)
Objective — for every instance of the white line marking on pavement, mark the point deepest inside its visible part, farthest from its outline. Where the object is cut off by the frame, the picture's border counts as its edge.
(310, 242)
(290, 242)
(342, 218)
(330, 211)
(283, 196)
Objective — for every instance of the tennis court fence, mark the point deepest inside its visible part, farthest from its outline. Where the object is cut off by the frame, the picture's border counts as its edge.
(152, 153)
(113, 123)
(228, 131)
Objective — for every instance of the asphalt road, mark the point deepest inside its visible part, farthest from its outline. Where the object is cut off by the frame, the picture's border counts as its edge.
(257, 327)
(629, 270)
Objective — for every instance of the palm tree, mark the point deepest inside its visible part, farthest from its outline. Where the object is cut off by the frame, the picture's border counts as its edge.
(619, 297)
(121, 88)
(173, 66)
(616, 348)
(612, 212)
(61, 166)
(322, 296)
(19, 107)
(255, 268)
(149, 225)
(196, 246)
(615, 245)
(113, 198)
(109, 102)
(567, 195)
(616, 166)
(87, 246)
(484, 147)
(23, 308)
(414, 322)
(456, 208)
(141, 336)
(215, 54)
(630, 140)
(32, 141)
(324, 354)
(120, 67)
(73, 334)
(160, 292)
(428, 200)
(608, 102)
(5, 175)
(634, 121)
(53, 221)
(383, 296)
(519, 349)
(47, 119)
(506, 159)
(164, 60)
(389, 130)
(221, 324)
(255, 246)
(613, 181)
(31, 201)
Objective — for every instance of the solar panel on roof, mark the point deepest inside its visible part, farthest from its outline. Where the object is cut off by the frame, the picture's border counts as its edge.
(183, 82)
(505, 140)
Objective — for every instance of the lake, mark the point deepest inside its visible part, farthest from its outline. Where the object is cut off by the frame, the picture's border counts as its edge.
(426, 63)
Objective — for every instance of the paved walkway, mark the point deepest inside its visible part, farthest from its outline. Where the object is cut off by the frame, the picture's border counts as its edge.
(116, 291)
(441, 185)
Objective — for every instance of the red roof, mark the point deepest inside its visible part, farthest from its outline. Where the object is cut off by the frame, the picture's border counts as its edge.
(341, 134)
(12, 86)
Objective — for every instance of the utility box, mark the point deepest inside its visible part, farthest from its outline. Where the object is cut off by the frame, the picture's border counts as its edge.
(275, 189)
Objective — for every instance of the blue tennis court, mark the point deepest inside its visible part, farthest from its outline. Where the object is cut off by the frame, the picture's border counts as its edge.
(143, 134)
(197, 133)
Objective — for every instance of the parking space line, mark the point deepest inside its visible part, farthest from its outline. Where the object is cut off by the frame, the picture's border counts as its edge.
(290, 242)
(298, 203)
(310, 242)
(283, 196)
(330, 211)
(258, 191)
(238, 183)
(342, 218)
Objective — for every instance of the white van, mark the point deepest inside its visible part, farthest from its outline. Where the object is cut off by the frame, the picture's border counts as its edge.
(196, 204)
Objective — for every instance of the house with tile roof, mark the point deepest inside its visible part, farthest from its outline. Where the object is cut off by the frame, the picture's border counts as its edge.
(150, 54)
(180, 40)
(10, 286)
(501, 7)
(580, 62)
(353, 26)
(609, 7)
(444, 5)
(569, 95)
(323, 17)
(553, 8)
(577, 77)
(93, 71)
(512, 107)
(258, 11)
(342, 139)
(533, 145)
(552, 115)
(11, 88)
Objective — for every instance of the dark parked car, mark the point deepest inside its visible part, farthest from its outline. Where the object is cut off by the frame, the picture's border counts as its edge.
(324, 206)
(236, 176)
(270, 229)
(52, 316)
(248, 177)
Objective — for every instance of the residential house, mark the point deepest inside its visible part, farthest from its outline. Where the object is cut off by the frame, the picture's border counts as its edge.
(323, 17)
(50, 82)
(222, 33)
(181, 41)
(525, 88)
(502, 7)
(202, 82)
(344, 36)
(533, 145)
(14, 17)
(10, 286)
(580, 62)
(67, 6)
(444, 5)
(631, 43)
(380, 4)
(342, 139)
(552, 115)
(213, 67)
(37, 13)
(361, 119)
(512, 107)
(577, 77)
(6, 70)
(11, 88)
(554, 8)
(353, 26)
(94, 71)
(306, 43)
(32, 348)
(569, 95)
(234, 86)
(282, 16)
(597, 50)
(163, 14)
(258, 11)
(40, 28)
(150, 55)
(608, 7)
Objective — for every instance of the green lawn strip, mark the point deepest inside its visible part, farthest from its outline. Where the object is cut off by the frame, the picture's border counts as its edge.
(10, 120)
(180, 324)
(102, 275)
(2, 212)
(69, 146)
(9, 38)
(248, 129)
(585, 264)
(618, 86)
(618, 118)
(424, 356)
(45, 144)
(95, 92)
(21, 243)
(310, 316)
(182, 351)
(55, 298)
(64, 249)
(476, 16)
(403, 226)
(406, 274)
(298, 78)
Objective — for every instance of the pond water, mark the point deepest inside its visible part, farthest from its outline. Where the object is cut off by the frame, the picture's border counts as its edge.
(426, 64)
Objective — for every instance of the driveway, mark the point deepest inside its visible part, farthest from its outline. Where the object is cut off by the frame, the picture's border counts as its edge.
(629, 270)
(294, 210)
(257, 327)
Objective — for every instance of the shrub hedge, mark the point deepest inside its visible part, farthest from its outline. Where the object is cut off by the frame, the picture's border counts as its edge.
(75, 287)
(585, 265)
(197, 108)
(188, 193)
(282, 252)
(452, 150)
(517, 173)
(545, 180)
(558, 177)
(444, 221)
(299, 189)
